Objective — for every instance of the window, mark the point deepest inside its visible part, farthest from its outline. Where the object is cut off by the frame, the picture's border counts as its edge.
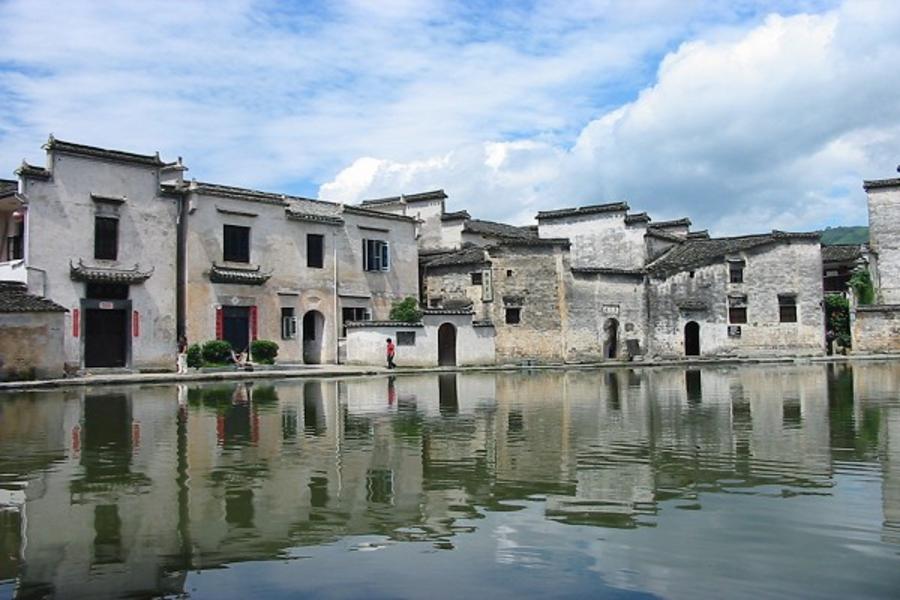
(509, 272)
(406, 338)
(736, 271)
(315, 250)
(14, 243)
(434, 302)
(237, 243)
(513, 316)
(349, 315)
(288, 323)
(476, 278)
(106, 238)
(376, 255)
(737, 309)
(787, 308)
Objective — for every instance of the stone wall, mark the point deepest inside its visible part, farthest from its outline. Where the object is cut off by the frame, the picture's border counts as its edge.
(600, 304)
(453, 284)
(531, 278)
(884, 240)
(702, 295)
(876, 329)
(31, 345)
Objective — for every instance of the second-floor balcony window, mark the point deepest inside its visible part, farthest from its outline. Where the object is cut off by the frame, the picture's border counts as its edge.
(236, 243)
(106, 238)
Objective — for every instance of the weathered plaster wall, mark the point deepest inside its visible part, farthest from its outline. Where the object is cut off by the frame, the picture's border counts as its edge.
(32, 344)
(452, 234)
(876, 329)
(596, 299)
(793, 268)
(599, 240)
(884, 240)
(61, 228)
(366, 344)
(454, 284)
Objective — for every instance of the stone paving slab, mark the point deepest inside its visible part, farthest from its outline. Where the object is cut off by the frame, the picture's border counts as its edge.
(337, 371)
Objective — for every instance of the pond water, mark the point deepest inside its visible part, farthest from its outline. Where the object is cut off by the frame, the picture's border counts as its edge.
(774, 481)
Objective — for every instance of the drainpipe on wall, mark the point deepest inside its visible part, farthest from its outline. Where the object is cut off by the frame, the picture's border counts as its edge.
(337, 320)
(181, 265)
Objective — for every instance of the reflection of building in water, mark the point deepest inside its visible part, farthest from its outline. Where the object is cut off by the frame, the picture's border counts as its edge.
(142, 485)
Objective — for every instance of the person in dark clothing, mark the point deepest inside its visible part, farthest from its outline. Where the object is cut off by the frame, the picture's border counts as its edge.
(390, 354)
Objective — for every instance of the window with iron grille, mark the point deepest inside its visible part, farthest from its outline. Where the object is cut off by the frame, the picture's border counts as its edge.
(288, 323)
(787, 308)
(106, 238)
(352, 314)
(236, 246)
(476, 278)
(406, 338)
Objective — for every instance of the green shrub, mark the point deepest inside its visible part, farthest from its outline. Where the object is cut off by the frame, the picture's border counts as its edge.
(194, 356)
(264, 351)
(216, 351)
(406, 310)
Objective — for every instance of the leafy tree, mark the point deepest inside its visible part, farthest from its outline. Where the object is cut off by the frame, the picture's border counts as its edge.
(861, 282)
(406, 310)
(837, 315)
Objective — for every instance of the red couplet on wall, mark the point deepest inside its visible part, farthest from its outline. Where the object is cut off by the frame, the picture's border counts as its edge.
(135, 323)
(75, 324)
(218, 322)
(254, 326)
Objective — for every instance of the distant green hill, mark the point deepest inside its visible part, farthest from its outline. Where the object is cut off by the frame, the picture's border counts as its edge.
(832, 236)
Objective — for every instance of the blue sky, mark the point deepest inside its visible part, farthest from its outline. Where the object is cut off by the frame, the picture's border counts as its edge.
(745, 116)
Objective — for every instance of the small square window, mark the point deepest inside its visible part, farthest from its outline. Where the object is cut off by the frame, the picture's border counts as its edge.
(406, 338)
(476, 278)
(509, 272)
(513, 316)
(737, 309)
(787, 308)
(434, 302)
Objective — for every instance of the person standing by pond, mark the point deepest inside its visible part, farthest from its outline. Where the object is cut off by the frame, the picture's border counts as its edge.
(390, 354)
(182, 355)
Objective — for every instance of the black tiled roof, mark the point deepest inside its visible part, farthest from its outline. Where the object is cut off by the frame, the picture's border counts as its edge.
(448, 311)
(227, 191)
(583, 210)
(683, 222)
(703, 234)
(532, 241)
(375, 214)
(699, 252)
(473, 255)
(841, 253)
(95, 274)
(455, 216)
(8, 186)
(295, 215)
(640, 217)
(501, 230)
(607, 271)
(398, 324)
(663, 235)
(219, 274)
(56, 145)
(14, 298)
(880, 183)
(26, 170)
(408, 198)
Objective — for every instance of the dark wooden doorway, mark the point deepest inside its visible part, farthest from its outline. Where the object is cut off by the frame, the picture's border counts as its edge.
(692, 339)
(105, 337)
(236, 327)
(611, 338)
(313, 334)
(447, 345)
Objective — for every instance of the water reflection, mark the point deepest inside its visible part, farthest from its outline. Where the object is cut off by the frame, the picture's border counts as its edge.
(128, 491)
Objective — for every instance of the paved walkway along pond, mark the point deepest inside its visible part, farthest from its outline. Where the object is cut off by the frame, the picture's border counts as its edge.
(718, 481)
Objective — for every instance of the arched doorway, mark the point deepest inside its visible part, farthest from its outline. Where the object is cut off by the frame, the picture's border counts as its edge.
(611, 338)
(313, 332)
(692, 339)
(447, 345)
